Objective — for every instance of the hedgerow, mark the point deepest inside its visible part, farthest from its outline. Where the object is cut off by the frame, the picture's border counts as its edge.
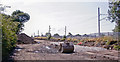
(11, 26)
(9, 37)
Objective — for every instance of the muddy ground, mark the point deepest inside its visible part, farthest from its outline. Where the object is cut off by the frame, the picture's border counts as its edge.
(43, 50)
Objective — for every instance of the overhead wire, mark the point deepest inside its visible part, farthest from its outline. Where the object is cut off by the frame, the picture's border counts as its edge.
(88, 20)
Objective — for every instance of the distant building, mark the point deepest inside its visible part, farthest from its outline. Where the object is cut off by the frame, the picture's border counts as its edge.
(105, 34)
(56, 36)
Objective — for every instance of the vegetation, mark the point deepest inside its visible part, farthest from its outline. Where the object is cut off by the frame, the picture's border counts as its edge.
(77, 35)
(117, 47)
(56, 34)
(108, 42)
(41, 38)
(114, 13)
(69, 34)
(9, 37)
(10, 28)
(48, 35)
(20, 17)
(105, 40)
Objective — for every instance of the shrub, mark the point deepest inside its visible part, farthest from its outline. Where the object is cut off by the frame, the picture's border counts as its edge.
(68, 39)
(63, 39)
(117, 47)
(75, 40)
(49, 37)
(9, 37)
(108, 42)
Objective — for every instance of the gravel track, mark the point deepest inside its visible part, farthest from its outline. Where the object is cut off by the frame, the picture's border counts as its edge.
(43, 50)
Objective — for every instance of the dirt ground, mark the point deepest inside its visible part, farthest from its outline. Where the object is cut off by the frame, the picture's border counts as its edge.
(43, 50)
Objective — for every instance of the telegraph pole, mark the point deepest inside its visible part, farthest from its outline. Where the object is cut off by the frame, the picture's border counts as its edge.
(34, 34)
(99, 14)
(49, 29)
(65, 30)
(99, 21)
(38, 33)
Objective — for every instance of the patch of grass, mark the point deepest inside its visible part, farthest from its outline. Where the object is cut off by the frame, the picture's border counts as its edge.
(63, 39)
(117, 47)
(108, 42)
(41, 38)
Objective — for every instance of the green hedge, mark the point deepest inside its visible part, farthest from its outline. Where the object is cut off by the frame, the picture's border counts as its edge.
(9, 37)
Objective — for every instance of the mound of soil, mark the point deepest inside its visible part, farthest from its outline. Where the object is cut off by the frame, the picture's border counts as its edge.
(25, 39)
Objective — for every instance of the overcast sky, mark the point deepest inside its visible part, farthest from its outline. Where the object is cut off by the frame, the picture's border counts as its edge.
(80, 16)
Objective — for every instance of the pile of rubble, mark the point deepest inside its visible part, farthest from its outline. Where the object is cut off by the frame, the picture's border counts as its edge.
(25, 39)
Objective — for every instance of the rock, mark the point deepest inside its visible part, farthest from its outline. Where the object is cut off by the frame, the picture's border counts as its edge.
(29, 50)
(17, 50)
(16, 54)
(35, 51)
(38, 42)
(104, 56)
(106, 46)
(113, 42)
(103, 43)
